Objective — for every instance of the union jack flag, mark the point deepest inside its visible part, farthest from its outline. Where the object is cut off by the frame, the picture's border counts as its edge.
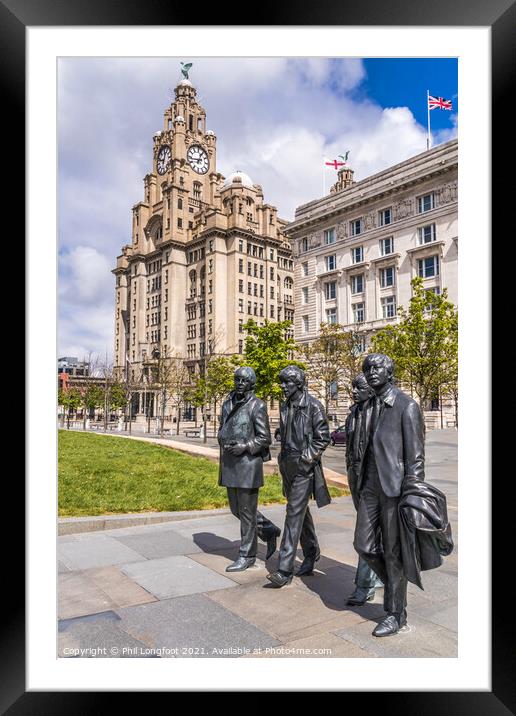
(439, 103)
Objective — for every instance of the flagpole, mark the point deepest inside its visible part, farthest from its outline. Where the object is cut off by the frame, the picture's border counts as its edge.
(323, 177)
(428, 112)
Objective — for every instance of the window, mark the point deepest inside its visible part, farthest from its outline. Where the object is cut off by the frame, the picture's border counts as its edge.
(240, 325)
(197, 188)
(240, 347)
(357, 283)
(331, 315)
(304, 268)
(425, 203)
(249, 288)
(240, 286)
(330, 262)
(387, 277)
(389, 307)
(358, 312)
(240, 245)
(428, 267)
(271, 273)
(249, 268)
(426, 234)
(386, 246)
(385, 217)
(330, 290)
(179, 203)
(355, 227)
(240, 265)
(305, 324)
(329, 236)
(304, 295)
(180, 223)
(357, 254)
(304, 245)
(271, 253)
(272, 311)
(240, 305)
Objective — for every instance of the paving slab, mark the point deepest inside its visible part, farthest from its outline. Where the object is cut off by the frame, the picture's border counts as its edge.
(94, 550)
(118, 587)
(277, 611)
(162, 543)
(175, 576)
(420, 638)
(78, 596)
(195, 626)
(98, 636)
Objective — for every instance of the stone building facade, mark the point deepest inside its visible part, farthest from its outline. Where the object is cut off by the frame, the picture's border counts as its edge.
(357, 249)
(207, 253)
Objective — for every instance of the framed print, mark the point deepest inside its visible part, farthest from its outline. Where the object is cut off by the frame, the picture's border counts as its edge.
(43, 39)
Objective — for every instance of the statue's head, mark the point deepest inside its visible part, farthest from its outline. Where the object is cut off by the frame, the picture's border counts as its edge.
(378, 370)
(361, 390)
(292, 379)
(245, 380)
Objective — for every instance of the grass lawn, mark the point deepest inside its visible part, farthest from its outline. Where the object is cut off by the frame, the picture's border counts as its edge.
(100, 475)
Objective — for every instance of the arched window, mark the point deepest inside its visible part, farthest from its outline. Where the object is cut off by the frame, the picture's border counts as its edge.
(287, 283)
(193, 283)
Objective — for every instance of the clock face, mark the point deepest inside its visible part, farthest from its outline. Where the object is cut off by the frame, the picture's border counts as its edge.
(163, 159)
(198, 159)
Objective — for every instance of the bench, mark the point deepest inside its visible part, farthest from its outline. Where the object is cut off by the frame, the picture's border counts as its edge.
(195, 432)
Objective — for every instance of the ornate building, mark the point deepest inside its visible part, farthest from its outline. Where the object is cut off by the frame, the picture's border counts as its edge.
(357, 249)
(207, 253)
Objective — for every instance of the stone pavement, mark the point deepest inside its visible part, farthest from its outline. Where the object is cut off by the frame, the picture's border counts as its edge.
(160, 590)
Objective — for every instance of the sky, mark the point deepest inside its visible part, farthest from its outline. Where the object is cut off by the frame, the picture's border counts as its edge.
(276, 119)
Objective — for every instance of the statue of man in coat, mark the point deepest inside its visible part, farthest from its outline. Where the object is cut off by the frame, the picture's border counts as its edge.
(366, 580)
(394, 451)
(244, 438)
(304, 435)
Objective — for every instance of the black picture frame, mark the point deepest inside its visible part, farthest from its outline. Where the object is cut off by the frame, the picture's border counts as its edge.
(500, 16)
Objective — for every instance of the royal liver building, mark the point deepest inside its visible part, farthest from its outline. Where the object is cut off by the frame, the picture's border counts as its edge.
(206, 253)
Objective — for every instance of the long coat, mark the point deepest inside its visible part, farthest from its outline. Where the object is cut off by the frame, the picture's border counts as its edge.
(248, 423)
(354, 448)
(398, 441)
(311, 423)
(425, 531)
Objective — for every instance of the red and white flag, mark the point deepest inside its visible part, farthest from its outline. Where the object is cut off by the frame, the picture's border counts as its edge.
(335, 164)
(439, 103)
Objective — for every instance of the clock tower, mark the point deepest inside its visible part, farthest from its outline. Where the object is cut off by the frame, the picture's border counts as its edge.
(206, 253)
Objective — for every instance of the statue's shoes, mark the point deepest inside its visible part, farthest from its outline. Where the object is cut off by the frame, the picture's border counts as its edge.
(307, 565)
(360, 596)
(272, 543)
(279, 579)
(240, 564)
(391, 624)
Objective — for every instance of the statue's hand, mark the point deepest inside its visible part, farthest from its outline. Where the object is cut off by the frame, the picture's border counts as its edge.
(236, 449)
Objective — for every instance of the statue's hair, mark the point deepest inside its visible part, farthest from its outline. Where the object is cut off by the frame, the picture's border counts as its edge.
(248, 372)
(360, 378)
(295, 373)
(379, 358)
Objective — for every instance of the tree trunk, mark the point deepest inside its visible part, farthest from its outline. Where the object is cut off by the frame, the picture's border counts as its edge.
(178, 419)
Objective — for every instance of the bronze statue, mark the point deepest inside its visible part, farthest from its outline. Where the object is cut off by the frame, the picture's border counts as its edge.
(365, 579)
(244, 438)
(304, 435)
(393, 436)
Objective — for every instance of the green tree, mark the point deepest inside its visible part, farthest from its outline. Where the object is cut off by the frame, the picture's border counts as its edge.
(70, 400)
(268, 350)
(212, 387)
(332, 360)
(117, 397)
(424, 344)
(93, 397)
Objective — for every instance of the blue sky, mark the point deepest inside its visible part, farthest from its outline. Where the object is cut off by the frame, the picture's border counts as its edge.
(275, 118)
